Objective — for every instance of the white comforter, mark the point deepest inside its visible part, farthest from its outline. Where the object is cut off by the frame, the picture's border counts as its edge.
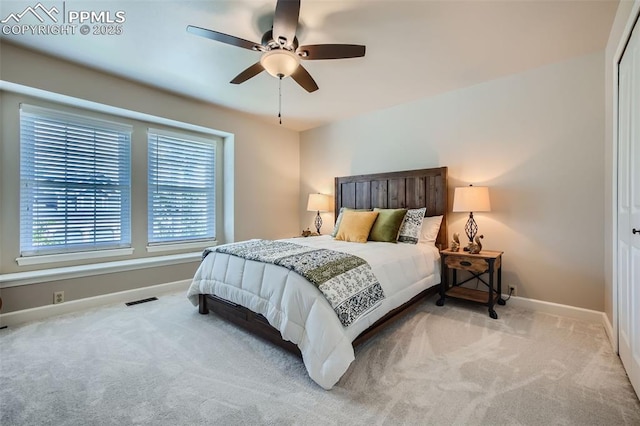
(299, 310)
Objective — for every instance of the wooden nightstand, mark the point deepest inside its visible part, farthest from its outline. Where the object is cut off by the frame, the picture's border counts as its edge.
(485, 262)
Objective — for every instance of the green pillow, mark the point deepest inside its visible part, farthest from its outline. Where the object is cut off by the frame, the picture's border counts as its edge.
(387, 225)
(339, 219)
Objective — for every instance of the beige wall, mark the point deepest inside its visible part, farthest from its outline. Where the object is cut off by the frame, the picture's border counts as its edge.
(536, 138)
(264, 165)
(625, 16)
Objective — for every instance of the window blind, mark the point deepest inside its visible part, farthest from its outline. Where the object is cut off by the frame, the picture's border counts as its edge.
(181, 193)
(75, 183)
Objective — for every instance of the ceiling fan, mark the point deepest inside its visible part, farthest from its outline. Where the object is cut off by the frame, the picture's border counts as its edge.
(281, 53)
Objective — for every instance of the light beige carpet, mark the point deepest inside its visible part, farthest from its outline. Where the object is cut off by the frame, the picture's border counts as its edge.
(161, 363)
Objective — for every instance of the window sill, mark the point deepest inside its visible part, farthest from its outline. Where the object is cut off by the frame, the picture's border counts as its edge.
(156, 248)
(70, 257)
(52, 274)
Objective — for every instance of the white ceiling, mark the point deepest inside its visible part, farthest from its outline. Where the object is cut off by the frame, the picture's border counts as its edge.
(415, 49)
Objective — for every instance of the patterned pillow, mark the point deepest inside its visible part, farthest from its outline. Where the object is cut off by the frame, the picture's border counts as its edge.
(338, 220)
(410, 229)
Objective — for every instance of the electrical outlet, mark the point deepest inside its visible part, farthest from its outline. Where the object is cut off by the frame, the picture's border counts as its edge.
(513, 290)
(58, 297)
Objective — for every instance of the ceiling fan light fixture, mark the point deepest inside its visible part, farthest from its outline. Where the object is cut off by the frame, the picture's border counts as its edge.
(280, 62)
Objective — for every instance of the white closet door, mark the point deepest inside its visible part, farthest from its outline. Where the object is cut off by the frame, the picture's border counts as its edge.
(629, 210)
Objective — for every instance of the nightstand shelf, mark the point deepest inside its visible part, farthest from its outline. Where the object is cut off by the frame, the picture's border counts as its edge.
(486, 262)
(470, 294)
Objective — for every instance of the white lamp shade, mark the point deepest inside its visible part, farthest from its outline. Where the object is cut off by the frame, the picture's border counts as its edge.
(318, 203)
(280, 62)
(471, 199)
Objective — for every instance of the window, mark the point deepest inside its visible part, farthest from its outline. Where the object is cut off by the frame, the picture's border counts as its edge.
(74, 183)
(181, 189)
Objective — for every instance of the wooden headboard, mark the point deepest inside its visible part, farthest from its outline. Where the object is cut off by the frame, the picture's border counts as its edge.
(409, 189)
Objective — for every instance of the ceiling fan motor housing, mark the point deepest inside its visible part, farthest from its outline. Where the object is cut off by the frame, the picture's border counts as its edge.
(270, 43)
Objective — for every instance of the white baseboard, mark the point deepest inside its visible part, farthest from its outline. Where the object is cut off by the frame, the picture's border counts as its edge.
(566, 311)
(608, 328)
(555, 309)
(43, 312)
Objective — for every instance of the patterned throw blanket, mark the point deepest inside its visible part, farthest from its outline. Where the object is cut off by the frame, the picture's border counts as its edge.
(347, 281)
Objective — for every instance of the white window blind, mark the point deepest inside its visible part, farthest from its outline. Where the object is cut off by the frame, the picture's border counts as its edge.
(75, 183)
(181, 189)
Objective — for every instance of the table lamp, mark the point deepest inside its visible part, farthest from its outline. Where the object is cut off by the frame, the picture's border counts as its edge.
(471, 199)
(318, 203)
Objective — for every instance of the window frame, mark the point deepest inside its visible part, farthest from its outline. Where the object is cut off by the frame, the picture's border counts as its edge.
(13, 95)
(209, 139)
(27, 117)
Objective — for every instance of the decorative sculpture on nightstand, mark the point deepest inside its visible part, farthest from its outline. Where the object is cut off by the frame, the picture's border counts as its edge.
(476, 247)
(455, 244)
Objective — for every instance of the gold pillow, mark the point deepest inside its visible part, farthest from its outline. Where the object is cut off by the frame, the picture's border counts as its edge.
(355, 226)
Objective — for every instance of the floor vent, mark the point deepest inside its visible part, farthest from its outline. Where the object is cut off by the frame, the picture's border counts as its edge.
(137, 302)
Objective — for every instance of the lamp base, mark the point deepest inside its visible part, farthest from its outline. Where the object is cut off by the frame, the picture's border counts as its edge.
(471, 228)
(318, 222)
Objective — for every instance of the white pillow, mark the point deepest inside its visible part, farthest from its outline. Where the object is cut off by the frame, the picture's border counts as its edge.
(430, 229)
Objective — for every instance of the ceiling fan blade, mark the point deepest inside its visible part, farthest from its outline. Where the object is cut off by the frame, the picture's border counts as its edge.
(223, 38)
(285, 21)
(331, 51)
(245, 75)
(304, 79)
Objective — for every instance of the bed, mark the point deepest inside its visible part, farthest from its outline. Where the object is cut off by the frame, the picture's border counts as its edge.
(283, 307)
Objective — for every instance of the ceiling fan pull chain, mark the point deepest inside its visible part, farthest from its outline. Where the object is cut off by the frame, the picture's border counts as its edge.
(280, 98)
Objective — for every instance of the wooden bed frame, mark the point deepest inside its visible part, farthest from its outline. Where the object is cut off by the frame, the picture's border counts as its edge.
(408, 189)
